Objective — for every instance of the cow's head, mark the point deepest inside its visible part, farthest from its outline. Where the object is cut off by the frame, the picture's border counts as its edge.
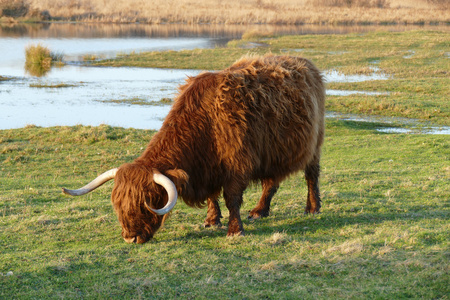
(142, 197)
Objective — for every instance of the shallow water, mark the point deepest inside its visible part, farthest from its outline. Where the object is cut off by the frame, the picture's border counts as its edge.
(12, 59)
(88, 102)
(94, 92)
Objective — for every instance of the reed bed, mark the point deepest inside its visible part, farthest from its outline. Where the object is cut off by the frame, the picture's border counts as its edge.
(247, 12)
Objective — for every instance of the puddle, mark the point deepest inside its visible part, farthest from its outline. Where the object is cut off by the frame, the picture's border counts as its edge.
(433, 130)
(335, 76)
(410, 55)
(370, 118)
(337, 52)
(348, 93)
(292, 50)
(412, 126)
(396, 130)
(438, 130)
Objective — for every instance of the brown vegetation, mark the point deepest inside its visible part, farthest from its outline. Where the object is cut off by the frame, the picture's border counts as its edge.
(39, 59)
(235, 11)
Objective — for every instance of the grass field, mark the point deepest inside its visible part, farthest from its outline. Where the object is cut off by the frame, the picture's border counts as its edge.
(383, 232)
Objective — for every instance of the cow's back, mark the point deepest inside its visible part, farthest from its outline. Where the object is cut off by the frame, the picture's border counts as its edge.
(269, 115)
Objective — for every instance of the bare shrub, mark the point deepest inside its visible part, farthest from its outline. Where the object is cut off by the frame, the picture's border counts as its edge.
(13, 8)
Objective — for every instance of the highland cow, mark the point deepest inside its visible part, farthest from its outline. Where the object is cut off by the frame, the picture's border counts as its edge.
(262, 119)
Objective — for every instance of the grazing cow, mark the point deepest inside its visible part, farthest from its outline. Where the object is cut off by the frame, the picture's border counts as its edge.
(261, 119)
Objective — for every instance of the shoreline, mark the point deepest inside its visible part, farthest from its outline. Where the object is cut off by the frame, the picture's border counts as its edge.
(9, 21)
(343, 22)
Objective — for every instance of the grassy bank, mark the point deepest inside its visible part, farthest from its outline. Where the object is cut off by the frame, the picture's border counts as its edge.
(416, 62)
(233, 11)
(383, 232)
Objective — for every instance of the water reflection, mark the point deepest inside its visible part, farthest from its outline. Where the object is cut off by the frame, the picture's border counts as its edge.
(221, 31)
(39, 69)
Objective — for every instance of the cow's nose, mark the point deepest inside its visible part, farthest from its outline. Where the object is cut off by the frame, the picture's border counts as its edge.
(130, 240)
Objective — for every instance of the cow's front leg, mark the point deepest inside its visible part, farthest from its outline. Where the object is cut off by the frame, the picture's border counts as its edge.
(213, 216)
(233, 201)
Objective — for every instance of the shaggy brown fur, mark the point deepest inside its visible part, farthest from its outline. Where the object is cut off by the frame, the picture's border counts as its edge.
(262, 119)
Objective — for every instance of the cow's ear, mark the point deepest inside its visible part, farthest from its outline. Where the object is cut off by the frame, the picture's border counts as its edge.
(179, 177)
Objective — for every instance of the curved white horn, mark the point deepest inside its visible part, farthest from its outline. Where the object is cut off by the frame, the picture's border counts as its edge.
(171, 190)
(108, 175)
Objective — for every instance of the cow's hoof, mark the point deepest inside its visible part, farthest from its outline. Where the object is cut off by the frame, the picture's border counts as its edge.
(257, 214)
(235, 234)
(212, 223)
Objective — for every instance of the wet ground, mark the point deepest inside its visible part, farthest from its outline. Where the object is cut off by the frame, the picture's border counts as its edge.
(123, 97)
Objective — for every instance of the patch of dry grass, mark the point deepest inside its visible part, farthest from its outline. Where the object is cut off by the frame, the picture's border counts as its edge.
(39, 59)
(248, 12)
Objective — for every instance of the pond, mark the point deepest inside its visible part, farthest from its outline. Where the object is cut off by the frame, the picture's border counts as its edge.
(125, 97)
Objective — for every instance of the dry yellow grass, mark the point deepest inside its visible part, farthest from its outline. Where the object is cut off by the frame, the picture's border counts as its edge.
(249, 12)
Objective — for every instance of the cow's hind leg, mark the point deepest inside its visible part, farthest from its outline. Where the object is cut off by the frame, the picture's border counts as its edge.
(261, 210)
(312, 173)
(213, 216)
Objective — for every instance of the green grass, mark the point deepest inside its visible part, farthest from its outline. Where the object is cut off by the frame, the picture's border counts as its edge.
(417, 62)
(3, 78)
(383, 232)
(52, 86)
